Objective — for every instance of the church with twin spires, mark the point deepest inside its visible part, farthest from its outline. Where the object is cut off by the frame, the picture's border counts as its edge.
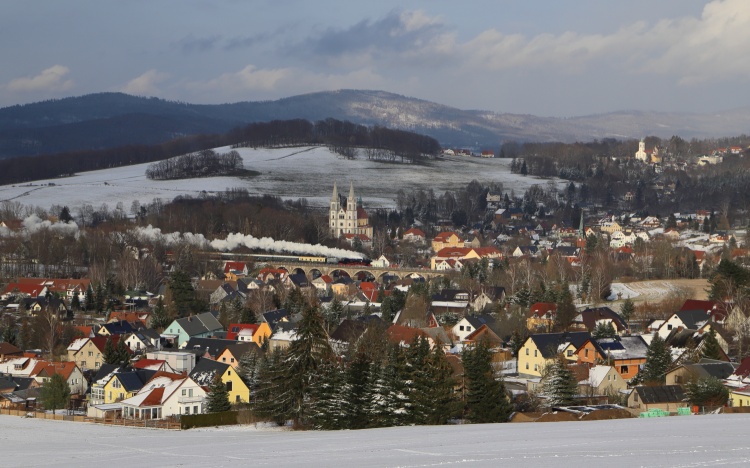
(347, 218)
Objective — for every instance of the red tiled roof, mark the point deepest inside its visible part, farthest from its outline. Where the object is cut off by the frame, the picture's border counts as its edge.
(414, 232)
(144, 363)
(234, 329)
(540, 309)
(400, 334)
(154, 397)
(51, 368)
(234, 266)
(443, 236)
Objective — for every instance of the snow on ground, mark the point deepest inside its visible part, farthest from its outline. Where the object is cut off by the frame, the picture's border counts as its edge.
(621, 291)
(291, 173)
(679, 441)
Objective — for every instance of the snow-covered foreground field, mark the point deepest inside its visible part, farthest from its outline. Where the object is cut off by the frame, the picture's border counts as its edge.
(685, 441)
(290, 173)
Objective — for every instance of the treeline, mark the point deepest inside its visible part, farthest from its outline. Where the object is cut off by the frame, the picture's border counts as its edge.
(204, 163)
(340, 136)
(372, 384)
(331, 132)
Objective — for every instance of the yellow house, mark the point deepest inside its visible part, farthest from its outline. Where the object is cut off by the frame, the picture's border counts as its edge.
(340, 289)
(87, 352)
(232, 354)
(540, 349)
(739, 397)
(249, 332)
(204, 372)
(446, 239)
(117, 384)
(610, 227)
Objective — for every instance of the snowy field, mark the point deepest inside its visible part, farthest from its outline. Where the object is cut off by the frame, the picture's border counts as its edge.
(290, 173)
(685, 441)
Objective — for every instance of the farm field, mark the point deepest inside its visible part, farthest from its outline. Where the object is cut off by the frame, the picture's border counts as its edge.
(291, 173)
(684, 441)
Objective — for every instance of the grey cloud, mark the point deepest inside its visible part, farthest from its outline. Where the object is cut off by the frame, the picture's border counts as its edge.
(390, 33)
(241, 42)
(193, 44)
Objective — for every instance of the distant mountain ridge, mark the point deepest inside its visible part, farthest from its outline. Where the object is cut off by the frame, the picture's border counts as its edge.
(103, 120)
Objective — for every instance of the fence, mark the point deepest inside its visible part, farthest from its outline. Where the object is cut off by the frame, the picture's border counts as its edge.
(151, 423)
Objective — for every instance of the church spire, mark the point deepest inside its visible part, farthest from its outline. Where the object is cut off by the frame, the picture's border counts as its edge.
(351, 190)
(335, 197)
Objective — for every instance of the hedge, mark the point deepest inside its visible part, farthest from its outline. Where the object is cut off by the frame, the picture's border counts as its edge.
(226, 418)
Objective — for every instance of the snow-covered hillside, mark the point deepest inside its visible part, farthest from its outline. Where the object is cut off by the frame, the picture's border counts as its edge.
(291, 173)
(679, 441)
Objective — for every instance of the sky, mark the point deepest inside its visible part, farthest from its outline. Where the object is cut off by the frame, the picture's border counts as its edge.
(541, 57)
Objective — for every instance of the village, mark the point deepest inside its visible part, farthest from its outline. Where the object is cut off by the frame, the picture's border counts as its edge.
(548, 302)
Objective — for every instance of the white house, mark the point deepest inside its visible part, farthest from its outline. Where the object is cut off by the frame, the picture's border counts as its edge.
(163, 396)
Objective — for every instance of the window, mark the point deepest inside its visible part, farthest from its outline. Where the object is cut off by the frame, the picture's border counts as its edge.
(527, 366)
(461, 327)
(624, 370)
(195, 410)
(223, 359)
(468, 328)
(536, 367)
(237, 399)
(187, 410)
(229, 372)
(91, 354)
(229, 386)
(669, 327)
(190, 392)
(535, 352)
(586, 352)
(231, 359)
(570, 352)
(527, 351)
(677, 379)
(96, 365)
(184, 392)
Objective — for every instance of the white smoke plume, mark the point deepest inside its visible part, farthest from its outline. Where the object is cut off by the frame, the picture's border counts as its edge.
(33, 224)
(236, 240)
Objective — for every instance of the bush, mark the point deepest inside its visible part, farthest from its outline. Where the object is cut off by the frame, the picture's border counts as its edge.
(226, 418)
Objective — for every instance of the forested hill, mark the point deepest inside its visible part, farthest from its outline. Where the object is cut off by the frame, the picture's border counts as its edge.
(107, 120)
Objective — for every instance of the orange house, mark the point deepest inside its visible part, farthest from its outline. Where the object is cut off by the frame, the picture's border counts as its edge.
(626, 354)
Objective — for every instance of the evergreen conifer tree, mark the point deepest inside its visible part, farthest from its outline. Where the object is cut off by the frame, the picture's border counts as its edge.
(711, 348)
(627, 310)
(658, 359)
(357, 394)
(122, 352)
(389, 403)
(248, 315)
(266, 403)
(333, 313)
(55, 393)
(566, 310)
(706, 391)
(159, 317)
(327, 408)
(217, 399)
(109, 355)
(301, 360)
(486, 399)
(560, 385)
(440, 389)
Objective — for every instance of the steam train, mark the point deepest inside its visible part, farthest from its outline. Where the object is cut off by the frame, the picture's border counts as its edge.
(304, 259)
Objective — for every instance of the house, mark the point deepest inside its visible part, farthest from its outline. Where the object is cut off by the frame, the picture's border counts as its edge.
(34, 305)
(540, 349)
(274, 317)
(180, 361)
(235, 270)
(446, 239)
(602, 380)
(488, 296)
(541, 316)
(232, 354)
(718, 311)
(664, 397)
(44, 370)
(163, 396)
(684, 319)
(625, 353)
(347, 332)
(450, 300)
(222, 292)
(322, 284)
(405, 336)
(88, 353)
(207, 370)
(113, 384)
(589, 318)
(207, 347)
(415, 235)
(159, 365)
(145, 339)
(198, 326)
(251, 332)
(484, 334)
(463, 254)
(116, 328)
(8, 350)
(470, 324)
(687, 372)
(284, 333)
(381, 262)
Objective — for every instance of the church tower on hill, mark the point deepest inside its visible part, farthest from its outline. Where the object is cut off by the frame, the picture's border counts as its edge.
(347, 217)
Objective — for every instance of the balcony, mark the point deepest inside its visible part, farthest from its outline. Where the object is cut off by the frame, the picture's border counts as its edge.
(184, 400)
